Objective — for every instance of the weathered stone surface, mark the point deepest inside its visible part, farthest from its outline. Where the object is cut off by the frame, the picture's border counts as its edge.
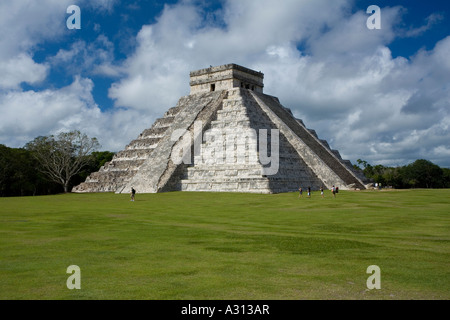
(225, 77)
(323, 161)
(237, 166)
(221, 131)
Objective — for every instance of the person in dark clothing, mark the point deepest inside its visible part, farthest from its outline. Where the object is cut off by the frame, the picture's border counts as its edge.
(133, 193)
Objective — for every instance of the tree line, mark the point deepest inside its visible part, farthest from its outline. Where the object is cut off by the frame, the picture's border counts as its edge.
(49, 165)
(419, 174)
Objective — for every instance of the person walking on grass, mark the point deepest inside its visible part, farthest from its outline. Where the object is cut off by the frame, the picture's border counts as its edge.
(321, 192)
(133, 193)
(300, 192)
(333, 190)
(309, 192)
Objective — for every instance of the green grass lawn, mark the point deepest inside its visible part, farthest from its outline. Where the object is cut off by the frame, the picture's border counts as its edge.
(182, 245)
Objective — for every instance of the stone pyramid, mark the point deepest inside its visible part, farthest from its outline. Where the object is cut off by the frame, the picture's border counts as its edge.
(225, 136)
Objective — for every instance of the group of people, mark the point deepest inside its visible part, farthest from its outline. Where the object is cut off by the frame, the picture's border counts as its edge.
(334, 190)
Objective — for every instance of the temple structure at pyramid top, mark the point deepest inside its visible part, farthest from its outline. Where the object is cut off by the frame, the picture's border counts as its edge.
(225, 136)
(224, 78)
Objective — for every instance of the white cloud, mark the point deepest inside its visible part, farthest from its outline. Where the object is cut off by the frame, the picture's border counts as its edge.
(24, 25)
(30, 113)
(21, 68)
(93, 58)
(26, 115)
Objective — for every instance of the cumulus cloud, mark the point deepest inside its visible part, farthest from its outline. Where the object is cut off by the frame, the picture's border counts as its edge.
(21, 68)
(26, 114)
(406, 112)
(30, 113)
(25, 24)
(93, 58)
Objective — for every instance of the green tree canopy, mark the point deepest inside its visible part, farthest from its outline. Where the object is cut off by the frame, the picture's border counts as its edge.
(424, 174)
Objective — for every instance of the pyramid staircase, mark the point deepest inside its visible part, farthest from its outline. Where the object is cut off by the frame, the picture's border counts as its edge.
(239, 168)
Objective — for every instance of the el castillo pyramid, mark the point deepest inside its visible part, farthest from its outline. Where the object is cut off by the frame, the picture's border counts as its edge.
(225, 136)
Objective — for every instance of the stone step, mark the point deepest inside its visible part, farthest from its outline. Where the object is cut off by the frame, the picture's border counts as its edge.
(153, 132)
(164, 122)
(173, 111)
(250, 185)
(143, 143)
(247, 185)
(133, 154)
(235, 112)
(124, 164)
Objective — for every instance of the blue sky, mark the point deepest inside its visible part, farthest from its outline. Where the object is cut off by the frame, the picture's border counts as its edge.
(379, 95)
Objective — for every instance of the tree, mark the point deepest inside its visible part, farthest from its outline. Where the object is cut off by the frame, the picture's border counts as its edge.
(446, 177)
(393, 177)
(419, 174)
(5, 168)
(19, 174)
(424, 174)
(61, 157)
